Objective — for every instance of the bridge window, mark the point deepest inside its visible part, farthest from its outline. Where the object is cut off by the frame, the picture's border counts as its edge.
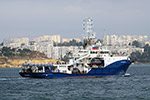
(104, 52)
(93, 52)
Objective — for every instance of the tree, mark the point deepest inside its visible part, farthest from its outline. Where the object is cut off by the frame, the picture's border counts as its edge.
(70, 43)
(1, 44)
(26, 50)
(23, 44)
(136, 43)
(129, 44)
(147, 50)
(142, 57)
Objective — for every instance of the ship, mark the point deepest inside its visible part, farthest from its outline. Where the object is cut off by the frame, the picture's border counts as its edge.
(94, 59)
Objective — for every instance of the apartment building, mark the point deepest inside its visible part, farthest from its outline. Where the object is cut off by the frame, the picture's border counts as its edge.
(127, 50)
(15, 42)
(60, 52)
(54, 38)
(124, 40)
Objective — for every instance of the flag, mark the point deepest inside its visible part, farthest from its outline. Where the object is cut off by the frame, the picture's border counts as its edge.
(95, 48)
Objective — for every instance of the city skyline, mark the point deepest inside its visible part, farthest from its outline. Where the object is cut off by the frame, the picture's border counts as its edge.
(30, 18)
(45, 44)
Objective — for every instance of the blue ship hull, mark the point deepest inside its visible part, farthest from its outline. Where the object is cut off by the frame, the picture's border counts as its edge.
(114, 69)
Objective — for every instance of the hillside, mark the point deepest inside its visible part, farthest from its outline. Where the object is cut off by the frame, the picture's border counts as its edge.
(20, 53)
(141, 57)
(16, 57)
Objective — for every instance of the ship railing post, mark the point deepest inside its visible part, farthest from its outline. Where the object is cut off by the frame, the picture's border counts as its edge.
(58, 66)
(43, 68)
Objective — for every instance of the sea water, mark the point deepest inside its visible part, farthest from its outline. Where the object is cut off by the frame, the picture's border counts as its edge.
(134, 87)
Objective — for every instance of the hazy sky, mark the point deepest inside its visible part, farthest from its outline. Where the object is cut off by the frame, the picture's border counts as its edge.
(31, 18)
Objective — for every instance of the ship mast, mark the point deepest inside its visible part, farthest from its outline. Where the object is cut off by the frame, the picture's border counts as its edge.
(88, 27)
(89, 37)
(105, 39)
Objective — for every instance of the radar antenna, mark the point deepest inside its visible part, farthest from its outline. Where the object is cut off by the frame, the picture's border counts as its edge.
(105, 38)
(88, 27)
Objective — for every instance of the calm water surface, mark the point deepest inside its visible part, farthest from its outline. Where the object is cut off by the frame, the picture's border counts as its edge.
(135, 87)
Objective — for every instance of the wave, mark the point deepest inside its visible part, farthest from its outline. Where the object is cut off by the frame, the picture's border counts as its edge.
(3, 79)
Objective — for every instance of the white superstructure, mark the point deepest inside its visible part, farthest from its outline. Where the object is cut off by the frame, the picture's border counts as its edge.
(92, 55)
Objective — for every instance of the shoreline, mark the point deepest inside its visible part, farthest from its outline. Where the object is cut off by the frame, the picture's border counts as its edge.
(17, 63)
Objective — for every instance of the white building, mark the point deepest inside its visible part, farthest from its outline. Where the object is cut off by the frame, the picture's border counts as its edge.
(60, 52)
(48, 49)
(124, 40)
(43, 47)
(127, 50)
(16, 42)
(54, 38)
(43, 44)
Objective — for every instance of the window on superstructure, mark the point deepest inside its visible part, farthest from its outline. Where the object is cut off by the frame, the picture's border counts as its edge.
(104, 52)
(80, 51)
(93, 52)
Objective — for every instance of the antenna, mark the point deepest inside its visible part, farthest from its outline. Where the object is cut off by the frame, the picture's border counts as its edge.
(104, 41)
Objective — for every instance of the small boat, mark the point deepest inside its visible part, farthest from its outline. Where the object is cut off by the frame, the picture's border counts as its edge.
(92, 60)
(126, 75)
